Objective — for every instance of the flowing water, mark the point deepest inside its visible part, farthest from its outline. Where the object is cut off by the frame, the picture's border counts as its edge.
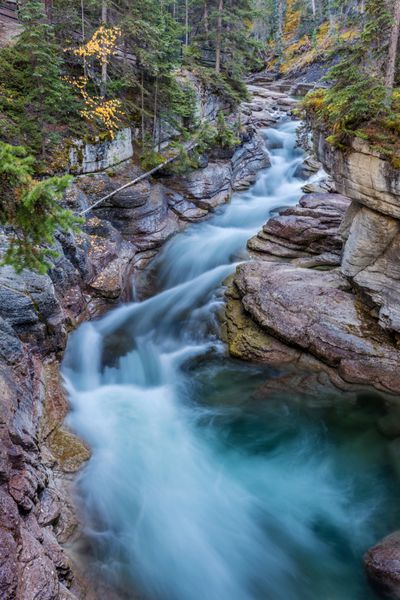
(202, 486)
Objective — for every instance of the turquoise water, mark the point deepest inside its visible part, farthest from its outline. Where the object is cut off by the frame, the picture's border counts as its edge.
(210, 478)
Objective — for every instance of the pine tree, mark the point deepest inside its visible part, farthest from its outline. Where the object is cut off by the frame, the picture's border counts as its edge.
(31, 210)
(30, 73)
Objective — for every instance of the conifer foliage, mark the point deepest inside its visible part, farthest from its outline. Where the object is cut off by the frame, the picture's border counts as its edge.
(31, 209)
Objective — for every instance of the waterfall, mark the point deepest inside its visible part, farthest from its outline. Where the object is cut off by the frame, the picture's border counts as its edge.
(193, 490)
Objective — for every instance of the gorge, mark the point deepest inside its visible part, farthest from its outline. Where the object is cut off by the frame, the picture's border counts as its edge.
(200, 389)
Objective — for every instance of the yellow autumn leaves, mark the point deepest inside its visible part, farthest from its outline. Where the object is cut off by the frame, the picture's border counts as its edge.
(102, 44)
(98, 110)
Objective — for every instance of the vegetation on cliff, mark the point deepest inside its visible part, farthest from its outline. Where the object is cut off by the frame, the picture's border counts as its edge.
(87, 67)
(361, 98)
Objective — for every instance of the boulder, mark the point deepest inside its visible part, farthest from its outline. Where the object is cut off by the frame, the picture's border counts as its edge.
(382, 563)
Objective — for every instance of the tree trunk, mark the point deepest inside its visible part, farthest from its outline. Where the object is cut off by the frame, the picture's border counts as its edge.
(218, 40)
(279, 33)
(104, 20)
(155, 112)
(186, 22)
(313, 8)
(48, 5)
(142, 107)
(205, 18)
(393, 43)
(331, 18)
(83, 39)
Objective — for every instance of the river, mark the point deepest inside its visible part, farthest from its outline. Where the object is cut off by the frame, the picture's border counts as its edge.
(199, 487)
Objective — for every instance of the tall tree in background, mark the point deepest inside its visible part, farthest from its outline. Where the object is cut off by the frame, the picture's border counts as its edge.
(104, 62)
(392, 54)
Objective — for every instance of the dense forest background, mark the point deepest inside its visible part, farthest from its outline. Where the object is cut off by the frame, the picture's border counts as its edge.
(89, 67)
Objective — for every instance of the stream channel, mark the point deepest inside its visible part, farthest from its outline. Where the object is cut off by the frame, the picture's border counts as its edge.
(201, 486)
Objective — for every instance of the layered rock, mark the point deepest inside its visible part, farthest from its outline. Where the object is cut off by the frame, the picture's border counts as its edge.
(213, 185)
(372, 228)
(299, 306)
(307, 233)
(314, 312)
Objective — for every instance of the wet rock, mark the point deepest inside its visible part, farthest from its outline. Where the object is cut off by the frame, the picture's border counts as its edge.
(184, 209)
(70, 452)
(247, 162)
(247, 340)
(382, 563)
(28, 303)
(206, 188)
(307, 168)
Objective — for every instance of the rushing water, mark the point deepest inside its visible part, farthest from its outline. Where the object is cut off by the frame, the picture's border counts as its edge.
(202, 486)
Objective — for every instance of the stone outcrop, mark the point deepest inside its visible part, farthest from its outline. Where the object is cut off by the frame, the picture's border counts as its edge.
(213, 185)
(89, 157)
(362, 174)
(372, 225)
(315, 312)
(293, 303)
(307, 233)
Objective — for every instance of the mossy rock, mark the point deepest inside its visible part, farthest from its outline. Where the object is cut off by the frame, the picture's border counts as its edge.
(70, 451)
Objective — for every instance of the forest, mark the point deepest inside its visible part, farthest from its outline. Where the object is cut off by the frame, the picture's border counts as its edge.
(90, 68)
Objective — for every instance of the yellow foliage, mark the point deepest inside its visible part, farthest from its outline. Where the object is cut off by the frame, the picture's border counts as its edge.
(292, 20)
(349, 34)
(304, 51)
(102, 44)
(107, 113)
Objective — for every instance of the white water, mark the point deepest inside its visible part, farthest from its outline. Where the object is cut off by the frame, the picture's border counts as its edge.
(171, 504)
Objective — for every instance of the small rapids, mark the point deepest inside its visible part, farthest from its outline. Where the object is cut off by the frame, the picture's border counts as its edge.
(198, 488)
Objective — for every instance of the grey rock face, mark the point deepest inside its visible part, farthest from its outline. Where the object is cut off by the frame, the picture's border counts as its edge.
(212, 186)
(91, 157)
(362, 175)
(371, 227)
